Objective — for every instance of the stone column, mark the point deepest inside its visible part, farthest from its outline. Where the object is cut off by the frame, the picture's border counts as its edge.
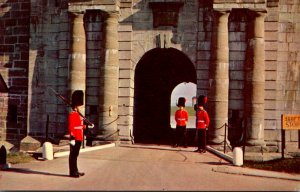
(109, 78)
(77, 76)
(255, 80)
(219, 77)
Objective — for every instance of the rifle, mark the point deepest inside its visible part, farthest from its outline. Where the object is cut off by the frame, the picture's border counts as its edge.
(68, 103)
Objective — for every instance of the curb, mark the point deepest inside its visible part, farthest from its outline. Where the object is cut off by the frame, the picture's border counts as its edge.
(257, 173)
(220, 154)
(82, 150)
(247, 171)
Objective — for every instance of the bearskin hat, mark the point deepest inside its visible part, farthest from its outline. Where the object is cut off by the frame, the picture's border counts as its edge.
(77, 98)
(181, 102)
(202, 100)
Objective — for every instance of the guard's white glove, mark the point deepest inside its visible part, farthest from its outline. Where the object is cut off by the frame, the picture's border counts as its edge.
(72, 142)
(91, 126)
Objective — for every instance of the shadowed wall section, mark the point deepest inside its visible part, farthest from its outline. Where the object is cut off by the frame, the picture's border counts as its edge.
(156, 75)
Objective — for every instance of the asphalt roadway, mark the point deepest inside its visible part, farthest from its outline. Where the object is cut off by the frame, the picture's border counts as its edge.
(139, 167)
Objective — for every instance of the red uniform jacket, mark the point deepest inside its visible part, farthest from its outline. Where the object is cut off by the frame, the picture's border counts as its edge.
(202, 119)
(76, 126)
(181, 117)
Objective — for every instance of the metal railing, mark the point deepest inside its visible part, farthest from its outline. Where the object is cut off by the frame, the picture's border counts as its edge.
(225, 143)
(225, 136)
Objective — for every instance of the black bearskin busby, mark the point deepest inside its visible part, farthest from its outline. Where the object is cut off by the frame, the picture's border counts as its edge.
(77, 98)
(181, 102)
(202, 100)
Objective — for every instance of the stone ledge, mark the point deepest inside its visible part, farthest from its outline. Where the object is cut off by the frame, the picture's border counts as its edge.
(29, 144)
(66, 153)
(8, 146)
(255, 172)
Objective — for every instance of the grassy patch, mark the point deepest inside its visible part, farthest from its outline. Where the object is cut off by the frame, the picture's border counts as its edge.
(190, 110)
(17, 157)
(290, 165)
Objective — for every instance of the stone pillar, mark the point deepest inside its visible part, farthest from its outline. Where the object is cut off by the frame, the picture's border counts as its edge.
(109, 78)
(219, 77)
(77, 76)
(255, 80)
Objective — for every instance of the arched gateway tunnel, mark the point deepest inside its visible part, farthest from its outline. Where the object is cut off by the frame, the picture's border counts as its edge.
(246, 54)
(158, 72)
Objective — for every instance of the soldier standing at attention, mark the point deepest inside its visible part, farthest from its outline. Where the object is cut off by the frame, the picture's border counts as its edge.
(202, 123)
(76, 128)
(181, 118)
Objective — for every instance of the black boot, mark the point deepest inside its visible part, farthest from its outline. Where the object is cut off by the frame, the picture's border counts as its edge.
(80, 173)
(75, 175)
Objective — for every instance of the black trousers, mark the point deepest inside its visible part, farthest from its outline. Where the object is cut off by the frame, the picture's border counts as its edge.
(180, 135)
(201, 138)
(74, 152)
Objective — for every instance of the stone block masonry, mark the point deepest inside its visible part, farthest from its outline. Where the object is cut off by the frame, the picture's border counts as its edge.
(14, 57)
(244, 55)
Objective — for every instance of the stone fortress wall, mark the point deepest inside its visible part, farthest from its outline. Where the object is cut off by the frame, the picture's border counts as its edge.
(245, 54)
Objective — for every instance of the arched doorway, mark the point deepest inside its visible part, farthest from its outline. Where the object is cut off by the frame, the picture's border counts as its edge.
(156, 75)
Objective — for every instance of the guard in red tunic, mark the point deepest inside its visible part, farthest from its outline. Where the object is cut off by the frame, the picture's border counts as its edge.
(202, 123)
(76, 128)
(181, 118)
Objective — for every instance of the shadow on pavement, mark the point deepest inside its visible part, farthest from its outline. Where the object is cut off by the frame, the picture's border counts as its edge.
(217, 163)
(159, 147)
(28, 171)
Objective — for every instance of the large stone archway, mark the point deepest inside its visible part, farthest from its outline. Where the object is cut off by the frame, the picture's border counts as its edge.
(156, 75)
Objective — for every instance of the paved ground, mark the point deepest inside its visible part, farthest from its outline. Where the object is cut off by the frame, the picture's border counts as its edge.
(139, 167)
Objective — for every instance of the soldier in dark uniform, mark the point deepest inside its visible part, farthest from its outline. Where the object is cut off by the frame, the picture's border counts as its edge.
(76, 128)
(181, 118)
(202, 123)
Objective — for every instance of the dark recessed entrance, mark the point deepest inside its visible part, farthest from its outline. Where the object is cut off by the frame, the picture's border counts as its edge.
(158, 72)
